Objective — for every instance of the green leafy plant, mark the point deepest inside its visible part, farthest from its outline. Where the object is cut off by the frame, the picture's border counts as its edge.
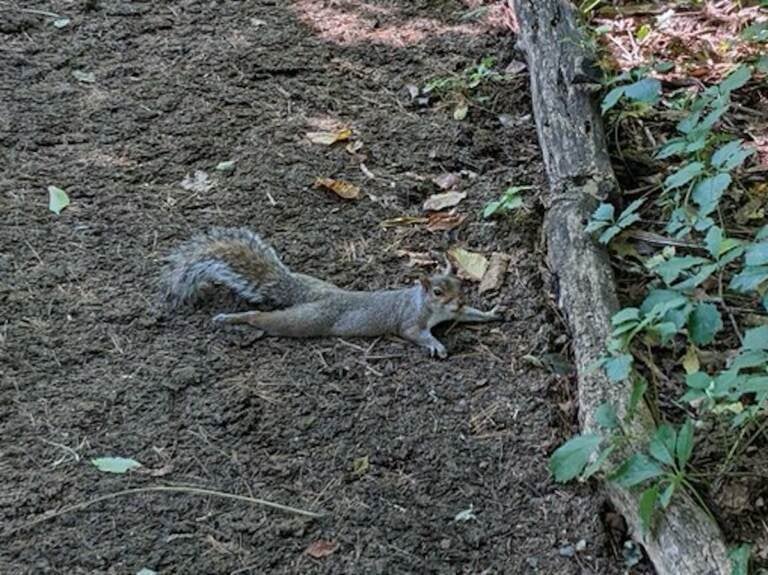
(634, 86)
(603, 220)
(510, 200)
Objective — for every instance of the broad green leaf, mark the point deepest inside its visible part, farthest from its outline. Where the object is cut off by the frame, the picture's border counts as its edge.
(762, 64)
(605, 416)
(684, 445)
(671, 269)
(749, 279)
(647, 505)
(568, 460)
(687, 124)
(698, 380)
(662, 445)
(630, 215)
(756, 32)
(638, 391)
(635, 470)
(611, 99)
(713, 240)
(609, 234)
(597, 464)
(671, 148)
(665, 330)
(115, 464)
(666, 495)
(749, 359)
(625, 315)
(739, 557)
(647, 90)
(724, 152)
(735, 79)
(683, 175)
(57, 199)
(619, 367)
(604, 212)
(738, 158)
(710, 119)
(708, 192)
(757, 254)
(698, 144)
(756, 338)
(491, 208)
(704, 323)
(697, 279)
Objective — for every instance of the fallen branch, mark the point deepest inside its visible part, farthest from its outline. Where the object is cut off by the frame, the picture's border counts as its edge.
(686, 540)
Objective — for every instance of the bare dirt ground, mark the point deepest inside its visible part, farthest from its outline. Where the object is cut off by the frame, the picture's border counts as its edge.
(92, 367)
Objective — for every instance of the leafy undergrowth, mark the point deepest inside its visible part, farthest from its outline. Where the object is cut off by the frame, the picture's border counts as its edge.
(686, 111)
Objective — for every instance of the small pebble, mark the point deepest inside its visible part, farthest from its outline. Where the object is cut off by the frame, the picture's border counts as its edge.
(581, 545)
(567, 551)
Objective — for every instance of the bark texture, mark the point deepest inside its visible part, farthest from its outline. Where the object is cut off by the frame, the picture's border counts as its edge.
(686, 541)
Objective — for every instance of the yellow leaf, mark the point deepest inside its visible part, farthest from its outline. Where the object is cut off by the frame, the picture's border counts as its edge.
(691, 360)
(460, 112)
(360, 466)
(470, 265)
(329, 138)
(339, 187)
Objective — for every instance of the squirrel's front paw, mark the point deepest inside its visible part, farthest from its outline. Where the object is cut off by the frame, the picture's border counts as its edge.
(437, 349)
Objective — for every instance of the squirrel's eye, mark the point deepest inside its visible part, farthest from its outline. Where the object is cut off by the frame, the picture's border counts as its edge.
(437, 291)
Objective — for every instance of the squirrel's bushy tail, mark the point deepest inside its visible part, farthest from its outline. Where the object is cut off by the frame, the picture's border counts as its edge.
(234, 257)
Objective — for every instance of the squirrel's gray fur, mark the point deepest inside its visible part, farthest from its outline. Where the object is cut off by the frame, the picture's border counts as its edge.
(304, 306)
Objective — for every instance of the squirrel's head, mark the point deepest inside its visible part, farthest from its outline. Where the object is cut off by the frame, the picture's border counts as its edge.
(443, 290)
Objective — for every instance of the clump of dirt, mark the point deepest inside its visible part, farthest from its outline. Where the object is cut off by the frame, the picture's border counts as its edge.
(419, 465)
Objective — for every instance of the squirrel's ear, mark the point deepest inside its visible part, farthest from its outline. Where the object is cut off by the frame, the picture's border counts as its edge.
(426, 285)
(448, 269)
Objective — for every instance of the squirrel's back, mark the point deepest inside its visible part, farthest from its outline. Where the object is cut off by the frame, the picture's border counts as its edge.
(236, 258)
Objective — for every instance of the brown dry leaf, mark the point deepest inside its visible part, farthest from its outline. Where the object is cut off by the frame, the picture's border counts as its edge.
(441, 221)
(442, 201)
(404, 221)
(339, 187)
(447, 181)
(329, 138)
(470, 265)
(494, 276)
(420, 259)
(321, 548)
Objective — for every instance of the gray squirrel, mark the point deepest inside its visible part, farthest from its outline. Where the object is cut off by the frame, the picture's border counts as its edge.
(297, 305)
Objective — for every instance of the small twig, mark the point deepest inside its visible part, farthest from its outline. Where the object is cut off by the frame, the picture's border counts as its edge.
(166, 489)
(34, 11)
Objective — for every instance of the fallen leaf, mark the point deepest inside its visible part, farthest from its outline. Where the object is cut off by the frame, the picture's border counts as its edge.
(115, 464)
(470, 265)
(360, 466)
(404, 221)
(494, 276)
(85, 77)
(354, 147)
(61, 22)
(226, 167)
(198, 182)
(420, 259)
(460, 112)
(321, 548)
(514, 68)
(690, 361)
(413, 91)
(329, 138)
(447, 181)
(339, 187)
(441, 221)
(57, 199)
(441, 201)
(465, 515)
